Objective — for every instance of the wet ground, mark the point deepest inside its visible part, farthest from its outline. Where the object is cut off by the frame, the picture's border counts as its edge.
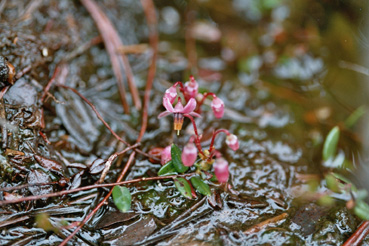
(283, 68)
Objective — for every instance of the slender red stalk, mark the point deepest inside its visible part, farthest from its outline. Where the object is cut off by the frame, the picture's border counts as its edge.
(48, 85)
(359, 235)
(211, 148)
(149, 10)
(197, 139)
(205, 95)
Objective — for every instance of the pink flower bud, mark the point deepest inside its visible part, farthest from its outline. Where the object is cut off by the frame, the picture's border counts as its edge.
(221, 170)
(218, 107)
(171, 94)
(165, 155)
(232, 142)
(191, 87)
(189, 154)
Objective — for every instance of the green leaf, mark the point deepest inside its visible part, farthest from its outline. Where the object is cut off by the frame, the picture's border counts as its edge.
(122, 198)
(330, 144)
(176, 159)
(201, 186)
(362, 210)
(355, 116)
(167, 169)
(332, 183)
(184, 187)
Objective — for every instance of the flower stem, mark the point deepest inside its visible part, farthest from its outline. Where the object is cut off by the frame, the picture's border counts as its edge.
(197, 139)
(211, 148)
(205, 95)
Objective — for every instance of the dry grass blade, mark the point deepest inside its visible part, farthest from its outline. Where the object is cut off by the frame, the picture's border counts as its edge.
(112, 43)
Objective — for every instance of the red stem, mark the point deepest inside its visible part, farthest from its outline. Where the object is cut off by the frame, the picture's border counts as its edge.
(359, 235)
(197, 139)
(205, 95)
(211, 148)
(149, 10)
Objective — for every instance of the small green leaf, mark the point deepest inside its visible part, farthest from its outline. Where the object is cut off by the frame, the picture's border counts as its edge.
(167, 169)
(332, 183)
(177, 160)
(355, 116)
(201, 186)
(362, 210)
(330, 144)
(184, 187)
(122, 198)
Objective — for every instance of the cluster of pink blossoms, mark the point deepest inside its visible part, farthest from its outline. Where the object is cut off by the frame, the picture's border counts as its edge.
(189, 96)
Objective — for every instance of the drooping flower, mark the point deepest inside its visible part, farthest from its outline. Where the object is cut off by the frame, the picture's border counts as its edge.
(171, 94)
(191, 88)
(221, 170)
(189, 154)
(232, 142)
(218, 107)
(178, 111)
(166, 155)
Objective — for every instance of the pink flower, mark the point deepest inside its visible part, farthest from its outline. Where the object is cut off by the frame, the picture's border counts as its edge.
(221, 170)
(189, 154)
(232, 142)
(171, 94)
(165, 155)
(178, 111)
(191, 87)
(218, 107)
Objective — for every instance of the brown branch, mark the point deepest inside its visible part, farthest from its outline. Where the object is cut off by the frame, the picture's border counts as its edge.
(96, 112)
(105, 123)
(266, 223)
(149, 9)
(359, 235)
(112, 43)
(110, 161)
(89, 187)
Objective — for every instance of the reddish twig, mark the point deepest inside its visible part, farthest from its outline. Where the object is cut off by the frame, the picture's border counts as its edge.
(96, 112)
(211, 148)
(149, 10)
(359, 235)
(3, 91)
(112, 43)
(111, 159)
(26, 185)
(48, 85)
(105, 123)
(89, 187)
(269, 222)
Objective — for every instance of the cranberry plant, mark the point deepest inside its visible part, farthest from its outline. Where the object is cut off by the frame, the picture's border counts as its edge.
(185, 101)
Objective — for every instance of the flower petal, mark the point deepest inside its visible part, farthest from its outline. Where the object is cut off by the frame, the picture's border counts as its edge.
(168, 105)
(163, 114)
(190, 106)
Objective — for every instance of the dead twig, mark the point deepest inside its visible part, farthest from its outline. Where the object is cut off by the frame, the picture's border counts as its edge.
(89, 187)
(110, 161)
(112, 43)
(359, 235)
(266, 223)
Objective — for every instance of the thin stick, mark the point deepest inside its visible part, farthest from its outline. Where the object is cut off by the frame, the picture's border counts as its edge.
(89, 187)
(105, 123)
(48, 85)
(266, 223)
(96, 112)
(110, 161)
(359, 235)
(26, 185)
(149, 10)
